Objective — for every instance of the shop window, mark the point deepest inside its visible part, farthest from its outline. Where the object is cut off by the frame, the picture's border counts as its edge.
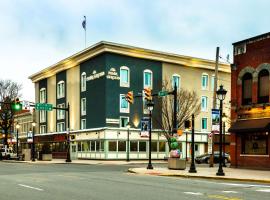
(134, 146)
(263, 86)
(142, 146)
(101, 147)
(85, 146)
(79, 146)
(154, 146)
(93, 146)
(112, 145)
(247, 89)
(255, 144)
(162, 146)
(121, 146)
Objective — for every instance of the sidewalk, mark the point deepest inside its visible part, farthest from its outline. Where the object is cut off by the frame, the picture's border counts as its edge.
(233, 174)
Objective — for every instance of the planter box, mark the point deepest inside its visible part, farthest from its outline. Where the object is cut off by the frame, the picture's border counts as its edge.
(47, 157)
(176, 163)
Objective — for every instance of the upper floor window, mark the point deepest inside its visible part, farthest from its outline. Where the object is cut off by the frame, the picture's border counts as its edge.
(83, 123)
(240, 49)
(124, 105)
(176, 80)
(204, 103)
(212, 82)
(60, 89)
(83, 106)
(124, 121)
(42, 129)
(204, 123)
(124, 76)
(205, 81)
(147, 79)
(247, 89)
(42, 95)
(263, 86)
(61, 113)
(42, 116)
(83, 82)
(60, 127)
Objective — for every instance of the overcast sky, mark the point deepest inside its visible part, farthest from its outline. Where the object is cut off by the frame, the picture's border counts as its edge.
(35, 34)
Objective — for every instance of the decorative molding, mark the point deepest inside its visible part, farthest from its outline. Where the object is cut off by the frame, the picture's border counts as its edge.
(245, 70)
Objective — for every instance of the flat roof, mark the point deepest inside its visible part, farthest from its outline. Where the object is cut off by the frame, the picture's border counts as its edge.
(253, 38)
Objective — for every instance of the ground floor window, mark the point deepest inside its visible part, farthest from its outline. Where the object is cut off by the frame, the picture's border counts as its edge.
(134, 146)
(112, 145)
(255, 143)
(162, 146)
(142, 146)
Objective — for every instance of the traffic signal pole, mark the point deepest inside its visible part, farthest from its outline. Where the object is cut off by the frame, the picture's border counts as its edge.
(175, 109)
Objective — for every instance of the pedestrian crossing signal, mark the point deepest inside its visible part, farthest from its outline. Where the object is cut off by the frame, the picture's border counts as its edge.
(147, 94)
(129, 97)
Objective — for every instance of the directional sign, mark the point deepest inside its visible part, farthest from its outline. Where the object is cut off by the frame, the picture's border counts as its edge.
(44, 106)
(162, 93)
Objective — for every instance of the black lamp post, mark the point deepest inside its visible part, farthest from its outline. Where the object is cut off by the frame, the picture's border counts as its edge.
(128, 127)
(192, 168)
(33, 144)
(17, 139)
(224, 117)
(221, 93)
(150, 106)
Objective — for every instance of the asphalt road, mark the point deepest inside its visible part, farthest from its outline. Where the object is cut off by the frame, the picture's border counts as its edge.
(95, 182)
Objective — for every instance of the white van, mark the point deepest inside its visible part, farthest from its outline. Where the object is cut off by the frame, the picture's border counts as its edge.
(7, 153)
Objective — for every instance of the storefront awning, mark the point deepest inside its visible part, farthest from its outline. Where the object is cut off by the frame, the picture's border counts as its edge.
(254, 125)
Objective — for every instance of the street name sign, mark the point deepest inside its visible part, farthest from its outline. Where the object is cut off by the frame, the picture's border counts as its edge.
(44, 106)
(162, 93)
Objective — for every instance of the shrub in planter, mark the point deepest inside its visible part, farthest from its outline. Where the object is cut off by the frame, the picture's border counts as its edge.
(175, 151)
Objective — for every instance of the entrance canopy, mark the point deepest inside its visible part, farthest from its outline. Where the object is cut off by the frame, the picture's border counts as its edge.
(252, 125)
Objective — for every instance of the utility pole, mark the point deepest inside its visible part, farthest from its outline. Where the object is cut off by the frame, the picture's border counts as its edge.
(175, 109)
(211, 163)
(68, 134)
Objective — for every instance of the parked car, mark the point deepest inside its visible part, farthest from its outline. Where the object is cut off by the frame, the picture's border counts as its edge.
(7, 153)
(205, 158)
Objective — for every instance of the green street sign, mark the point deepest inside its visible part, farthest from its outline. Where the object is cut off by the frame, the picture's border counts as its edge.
(162, 93)
(44, 106)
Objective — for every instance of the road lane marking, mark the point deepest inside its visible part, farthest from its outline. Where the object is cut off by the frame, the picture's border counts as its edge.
(263, 190)
(194, 193)
(222, 197)
(27, 186)
(245, 185)
(227, 191)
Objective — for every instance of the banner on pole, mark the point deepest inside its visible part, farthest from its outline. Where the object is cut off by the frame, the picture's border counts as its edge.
(145, 127)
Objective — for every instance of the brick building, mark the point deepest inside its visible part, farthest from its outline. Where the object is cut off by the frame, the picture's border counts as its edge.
(250, 103)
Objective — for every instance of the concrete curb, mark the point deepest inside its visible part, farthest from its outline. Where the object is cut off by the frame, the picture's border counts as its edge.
(202, 177)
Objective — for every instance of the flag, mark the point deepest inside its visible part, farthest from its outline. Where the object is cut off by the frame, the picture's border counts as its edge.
(84, 23)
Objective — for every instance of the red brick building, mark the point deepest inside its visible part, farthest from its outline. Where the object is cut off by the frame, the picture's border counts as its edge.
(250, 103)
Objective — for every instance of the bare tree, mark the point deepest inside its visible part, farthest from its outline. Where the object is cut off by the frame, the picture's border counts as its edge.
(188, 103)
(9, 90)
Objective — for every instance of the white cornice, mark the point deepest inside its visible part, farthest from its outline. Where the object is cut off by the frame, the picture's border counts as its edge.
(137, 52)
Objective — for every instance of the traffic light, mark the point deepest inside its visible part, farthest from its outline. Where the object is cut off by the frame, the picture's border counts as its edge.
(16, 105)
(129, 97)
(147, 94)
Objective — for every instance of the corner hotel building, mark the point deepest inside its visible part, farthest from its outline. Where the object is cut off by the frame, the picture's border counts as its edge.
(94, 82)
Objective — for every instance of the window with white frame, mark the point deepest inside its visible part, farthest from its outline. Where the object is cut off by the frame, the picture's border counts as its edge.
(42, 116)
(60, 113)
(212, 82)
(60, 127)
(60, 89)
(42, 129)
(42, 95)
(124, 121)
(204, 123)
(124, 76)
(124, 105)
(83, 82)
(176, 80)
(205, 81)
(204, 103)
(83, 123)
(83, 106)
(147, 78)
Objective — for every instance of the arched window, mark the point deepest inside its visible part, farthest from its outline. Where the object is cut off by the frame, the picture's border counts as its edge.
(247, 89)
(147, 79)
(60, 89)
(124, 76)
(176, 80)
(83, 82)
(263, 86)
(42, 95)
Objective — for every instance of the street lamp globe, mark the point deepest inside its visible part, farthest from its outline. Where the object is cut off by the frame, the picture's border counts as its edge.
(17, 126)
(33, 124)
(150, 105)
(221, 93)
(128, 125)
(224, 117)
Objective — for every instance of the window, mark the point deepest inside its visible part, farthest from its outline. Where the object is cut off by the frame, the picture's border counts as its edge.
(93, 146)
(60, 89)
(176, 80)
(61, 127)
(204, 81)
(83, 123)
(83, 82)
(112, 145)
(204, 103)
(42, 116)
(134, 146)
(124, 121)
(154, 146)
(263, 86)
(83, 106)
(147, 79)
(247, 89)
(255, 144)
(121, 146)
(142, 146)
(204, 123)
(61, 113)
(124, 76)
(162, 146)
(42, 95)
(212, 82)
(240, 49)
(124, 105)
(42, 129)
